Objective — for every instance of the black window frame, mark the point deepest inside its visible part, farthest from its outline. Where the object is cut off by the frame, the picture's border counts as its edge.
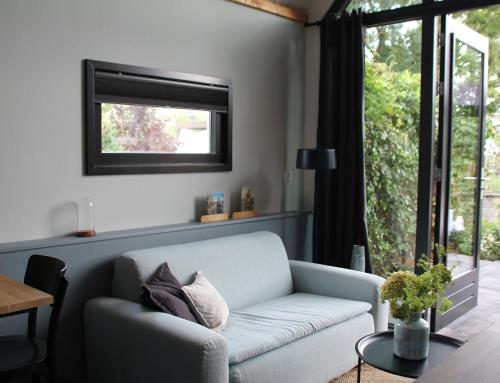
(99, 163)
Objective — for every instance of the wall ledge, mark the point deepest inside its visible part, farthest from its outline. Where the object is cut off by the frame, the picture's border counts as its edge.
(10, 247)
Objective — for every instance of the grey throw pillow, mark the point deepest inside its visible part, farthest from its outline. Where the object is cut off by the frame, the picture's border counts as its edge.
(163, 292)
(206, 303)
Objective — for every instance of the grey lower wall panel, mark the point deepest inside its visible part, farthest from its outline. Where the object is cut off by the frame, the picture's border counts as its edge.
(90, 264)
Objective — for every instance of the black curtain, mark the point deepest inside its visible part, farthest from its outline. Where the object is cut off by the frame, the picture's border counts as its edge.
(340, 196)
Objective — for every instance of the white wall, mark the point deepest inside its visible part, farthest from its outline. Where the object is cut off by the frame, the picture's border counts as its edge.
(311, 98)
(317, 10)
(293, 177)
(42, 44)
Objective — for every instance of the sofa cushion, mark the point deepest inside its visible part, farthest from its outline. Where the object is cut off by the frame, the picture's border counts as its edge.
(245, 269)
(206, 303)
(164, 292)
(317, 358)
(269, 325)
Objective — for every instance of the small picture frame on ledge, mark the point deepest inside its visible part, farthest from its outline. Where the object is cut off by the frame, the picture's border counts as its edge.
(215, 208)
(215, 203)
(247, 204)
(247, 198)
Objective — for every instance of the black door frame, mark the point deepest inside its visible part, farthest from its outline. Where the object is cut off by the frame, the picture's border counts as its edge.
(411, 12)
(426, 155)
(464, 290)
(428, 177)
(427, 12)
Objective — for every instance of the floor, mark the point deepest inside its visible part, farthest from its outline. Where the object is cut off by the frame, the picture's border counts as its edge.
(487, 312)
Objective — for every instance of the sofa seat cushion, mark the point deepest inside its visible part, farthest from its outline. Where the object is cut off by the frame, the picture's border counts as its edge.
(269, 325)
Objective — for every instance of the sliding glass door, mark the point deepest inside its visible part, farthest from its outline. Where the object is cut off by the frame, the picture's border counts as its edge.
(424, 179)
(462, 112)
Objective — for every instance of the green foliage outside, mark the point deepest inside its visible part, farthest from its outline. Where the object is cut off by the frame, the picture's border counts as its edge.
(460, 241)
(487, 22)
(135, 128)
(391, 150)
(490, 241)
(140, 128)
(392, 112)
(408, 293)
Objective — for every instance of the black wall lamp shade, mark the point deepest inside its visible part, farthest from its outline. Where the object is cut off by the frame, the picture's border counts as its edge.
(319, 159)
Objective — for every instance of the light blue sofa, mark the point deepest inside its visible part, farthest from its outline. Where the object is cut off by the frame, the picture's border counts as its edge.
(290, 321)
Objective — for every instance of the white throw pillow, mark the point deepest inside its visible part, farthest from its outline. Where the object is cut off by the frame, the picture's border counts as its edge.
(206, 303)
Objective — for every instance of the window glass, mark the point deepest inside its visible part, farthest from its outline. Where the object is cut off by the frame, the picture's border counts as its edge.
(466, 122)
(150, 129)
(392, 115)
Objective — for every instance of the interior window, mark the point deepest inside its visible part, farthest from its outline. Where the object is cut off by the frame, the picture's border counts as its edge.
(141, 120)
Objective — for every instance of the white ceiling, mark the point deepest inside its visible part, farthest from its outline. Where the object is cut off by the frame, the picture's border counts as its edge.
(315, 8)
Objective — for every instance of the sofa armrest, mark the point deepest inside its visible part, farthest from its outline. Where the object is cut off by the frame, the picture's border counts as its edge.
(341, 283)
(126, 342)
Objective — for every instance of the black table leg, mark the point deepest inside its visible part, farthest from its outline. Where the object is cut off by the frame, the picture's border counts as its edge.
(359, 370)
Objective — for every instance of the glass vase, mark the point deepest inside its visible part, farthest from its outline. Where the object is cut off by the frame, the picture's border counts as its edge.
(86, 226)
(358, 258)
(411, 337)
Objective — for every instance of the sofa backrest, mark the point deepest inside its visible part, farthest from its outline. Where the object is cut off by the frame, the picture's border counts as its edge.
(246, 269)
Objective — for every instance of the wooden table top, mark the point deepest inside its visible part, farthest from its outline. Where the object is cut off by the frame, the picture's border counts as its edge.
(16, 296)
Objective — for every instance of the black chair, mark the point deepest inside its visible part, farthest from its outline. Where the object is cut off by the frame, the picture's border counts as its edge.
(29, 355)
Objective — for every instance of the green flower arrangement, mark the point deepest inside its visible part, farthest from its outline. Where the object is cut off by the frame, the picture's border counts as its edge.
(408, 293)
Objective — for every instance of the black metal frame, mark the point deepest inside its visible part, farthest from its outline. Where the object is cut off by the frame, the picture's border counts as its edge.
(443, 144)
(429, 8)
(338, 7)
(427, 12)
(426, 138)
(464, 290)
(411, 12)
(442, 163)
(98, 163)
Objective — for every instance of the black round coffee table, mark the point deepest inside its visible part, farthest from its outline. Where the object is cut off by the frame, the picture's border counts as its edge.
(377, 350)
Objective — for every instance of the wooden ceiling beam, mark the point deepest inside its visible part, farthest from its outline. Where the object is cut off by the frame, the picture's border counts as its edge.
(275, 9)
